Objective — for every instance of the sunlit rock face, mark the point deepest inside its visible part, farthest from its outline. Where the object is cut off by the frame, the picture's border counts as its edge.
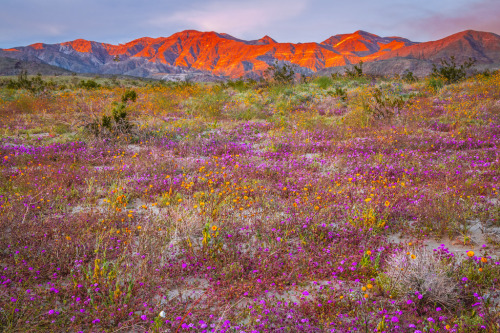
(223, 55)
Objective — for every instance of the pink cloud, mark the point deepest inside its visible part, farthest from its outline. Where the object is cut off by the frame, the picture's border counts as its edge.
(482, 15)
(234, 17)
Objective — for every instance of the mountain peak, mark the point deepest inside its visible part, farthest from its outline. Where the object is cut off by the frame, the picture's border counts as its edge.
(362, 32)
(473, 33)
(189, 31)
(266, 40)
(80, 45)
(37, 46)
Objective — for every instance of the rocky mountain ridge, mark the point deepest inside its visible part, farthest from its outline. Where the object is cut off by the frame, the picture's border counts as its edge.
(217, 55)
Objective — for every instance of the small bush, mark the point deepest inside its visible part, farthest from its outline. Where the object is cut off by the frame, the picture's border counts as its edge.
(25, 103)
(450, 72)
(210, 105)
(336, 76)
(239, 85)
(121, 122)
(340, 92)
(242, 112)
(324, 82)
(62, 128)
(34, 85)
(384, 105)
(89, 84)
(435, 84)
(409, 77)
(129, 95)
(117, 122)
(280, 74)
(356, 71)
(424, 273)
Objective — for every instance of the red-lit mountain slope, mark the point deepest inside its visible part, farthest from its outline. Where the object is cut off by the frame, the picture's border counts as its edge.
(223, 55)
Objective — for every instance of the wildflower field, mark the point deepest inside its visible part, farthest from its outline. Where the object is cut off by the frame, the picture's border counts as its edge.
(320, 206)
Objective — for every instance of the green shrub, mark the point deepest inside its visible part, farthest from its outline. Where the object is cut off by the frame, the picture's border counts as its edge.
(25, 103)
(336, 76)
(280, 74)
(119, 114)
(435, 84)
(211, 104)
(34, 85)
(450, 72)
(384, 104)
(356, 71)
(487, 73)
(129, 95)
(239, 85)
(340, 92)
(89, 84)
(409, 77)
(117, 122)
(248, 113)
(324, 82)
(62, 128)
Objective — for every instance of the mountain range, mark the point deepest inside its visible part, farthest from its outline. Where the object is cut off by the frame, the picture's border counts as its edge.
(212, 55)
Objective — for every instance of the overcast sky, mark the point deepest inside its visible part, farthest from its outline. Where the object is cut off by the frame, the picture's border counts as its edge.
(24, 22)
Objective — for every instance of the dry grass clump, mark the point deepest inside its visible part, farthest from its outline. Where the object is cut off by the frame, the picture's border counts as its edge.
(425, 274)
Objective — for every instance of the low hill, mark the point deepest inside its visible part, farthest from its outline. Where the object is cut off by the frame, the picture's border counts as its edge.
(9, 66)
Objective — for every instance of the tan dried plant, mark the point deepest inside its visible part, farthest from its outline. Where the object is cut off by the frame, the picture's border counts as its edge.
(423, 274)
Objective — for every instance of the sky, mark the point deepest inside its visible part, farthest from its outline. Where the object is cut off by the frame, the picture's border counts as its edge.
(23, 22)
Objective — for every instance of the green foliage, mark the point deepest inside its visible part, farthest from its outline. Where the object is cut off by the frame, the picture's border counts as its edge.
(409, 77)
(356, 71)
(210, 105)
(117, 122)
(211, 242)
(62, 128)
(89, 84)
(280, 74)
(120, 116)
(336, 76)
(435, 84)
(34, 85)
(450, 71)
(106, 122)
(239, 85)
(340, 92)
(324, 82)
(129, 95)
(248, 113)
(384, 104)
